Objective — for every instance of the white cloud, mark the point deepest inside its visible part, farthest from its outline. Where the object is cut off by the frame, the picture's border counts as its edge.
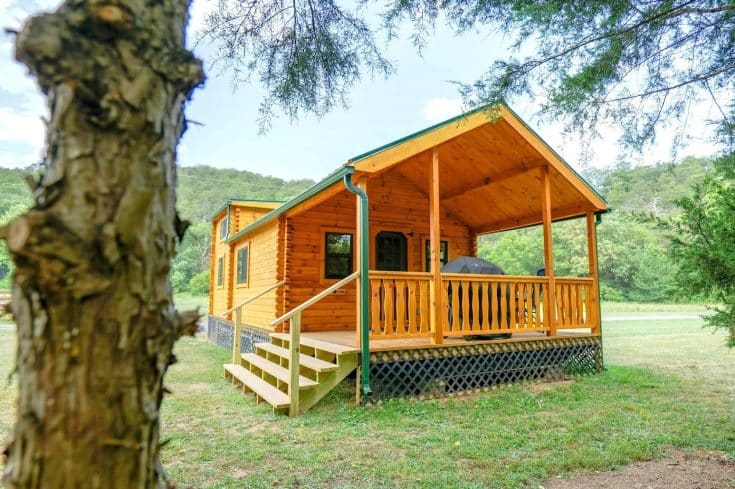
(440, 109)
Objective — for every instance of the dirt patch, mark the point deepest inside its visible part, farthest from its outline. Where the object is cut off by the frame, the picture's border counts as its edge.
(680, 470)
(539, 387)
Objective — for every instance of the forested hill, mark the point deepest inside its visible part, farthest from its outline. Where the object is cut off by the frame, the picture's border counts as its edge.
(203, 189)
(648, 188)
(633, 262)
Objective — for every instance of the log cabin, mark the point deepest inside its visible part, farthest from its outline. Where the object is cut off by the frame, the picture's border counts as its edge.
(346, 278)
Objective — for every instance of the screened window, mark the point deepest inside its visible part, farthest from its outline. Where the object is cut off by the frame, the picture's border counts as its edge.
(338, 255)
(443, 255)
(242, 265)
(224, 227)
(220, 271)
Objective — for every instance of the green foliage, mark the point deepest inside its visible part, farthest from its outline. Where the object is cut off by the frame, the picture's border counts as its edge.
(634, 259)
(703, 242)
(306, 54)
(638, 65)
(15, 199)
(199, 284)
(201, 191)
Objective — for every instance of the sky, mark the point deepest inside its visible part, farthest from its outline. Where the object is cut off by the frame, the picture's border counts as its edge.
(381, 110)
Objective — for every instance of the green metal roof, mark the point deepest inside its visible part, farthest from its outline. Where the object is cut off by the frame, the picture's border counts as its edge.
(231, 200)
(334, 177)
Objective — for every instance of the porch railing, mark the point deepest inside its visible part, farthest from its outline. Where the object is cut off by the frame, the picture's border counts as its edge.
(493, 304)
(576, 304)
(478, 304)
(399, 304)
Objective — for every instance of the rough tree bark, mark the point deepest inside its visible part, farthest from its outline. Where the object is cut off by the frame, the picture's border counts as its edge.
(91, 296)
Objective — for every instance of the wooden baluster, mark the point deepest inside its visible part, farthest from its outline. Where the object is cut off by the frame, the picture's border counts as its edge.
(571, 290)
(494, 322)
(475, 287)
(425, 322)
(400, 307)
(485, 301)
(503, 305)
(294, 350)
(456, 326)
(580, 303)
(521, 288)
(465, 306)
(388, 307)
(412, 311)
(376, 320)
(537, 296)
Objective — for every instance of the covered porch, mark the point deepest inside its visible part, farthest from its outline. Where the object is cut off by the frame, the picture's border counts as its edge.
(480, 177)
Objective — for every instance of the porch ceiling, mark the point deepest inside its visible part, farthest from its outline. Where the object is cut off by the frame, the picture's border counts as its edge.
(490, 174)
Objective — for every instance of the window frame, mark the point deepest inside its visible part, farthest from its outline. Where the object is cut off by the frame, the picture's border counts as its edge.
(405, 250)
(325, 255)
(220, 272)
(246, 282)
(224, 228)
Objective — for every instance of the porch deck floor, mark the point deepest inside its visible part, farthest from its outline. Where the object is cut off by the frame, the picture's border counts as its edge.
(348, 338)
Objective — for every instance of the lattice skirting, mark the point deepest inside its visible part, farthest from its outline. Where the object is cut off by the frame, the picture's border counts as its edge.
(439, 372)
(220, 331)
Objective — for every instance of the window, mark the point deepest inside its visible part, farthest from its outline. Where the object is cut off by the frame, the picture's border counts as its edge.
(220, 271)
(242, 265)
(443, 255)
(337, 255)
(390, 252)
(224, 228)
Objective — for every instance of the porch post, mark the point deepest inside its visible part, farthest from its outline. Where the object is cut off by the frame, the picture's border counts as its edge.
(360, 253)
(435, 286)
(594, 304)
(550, 300)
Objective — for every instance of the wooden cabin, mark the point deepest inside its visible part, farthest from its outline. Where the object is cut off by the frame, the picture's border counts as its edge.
(346, 276)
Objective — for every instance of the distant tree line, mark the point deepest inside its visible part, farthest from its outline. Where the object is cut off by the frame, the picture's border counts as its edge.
(634, 255)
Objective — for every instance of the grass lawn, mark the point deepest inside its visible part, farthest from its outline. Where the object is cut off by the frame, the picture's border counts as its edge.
(608, 308)
(668, 384)
(188, 301)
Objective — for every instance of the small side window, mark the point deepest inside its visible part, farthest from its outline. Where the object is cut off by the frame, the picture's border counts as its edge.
(220, 271)
(242, 265)
(443, 255)
(224, 227)
(337, 255)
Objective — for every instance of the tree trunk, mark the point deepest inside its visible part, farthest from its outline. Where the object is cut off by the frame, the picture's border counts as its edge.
(91, 295)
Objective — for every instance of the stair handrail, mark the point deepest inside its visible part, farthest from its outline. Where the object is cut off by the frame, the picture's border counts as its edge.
(257, 296)
(294, 330)
(238, 320)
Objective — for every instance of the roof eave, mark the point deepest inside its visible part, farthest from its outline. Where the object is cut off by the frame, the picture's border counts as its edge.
(304, 196)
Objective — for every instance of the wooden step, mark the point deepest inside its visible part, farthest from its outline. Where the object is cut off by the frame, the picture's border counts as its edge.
(309, 362)
(318, 345)
(276, 371)
(274, 397)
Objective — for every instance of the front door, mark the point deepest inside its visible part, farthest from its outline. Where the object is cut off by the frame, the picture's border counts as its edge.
(390, 252)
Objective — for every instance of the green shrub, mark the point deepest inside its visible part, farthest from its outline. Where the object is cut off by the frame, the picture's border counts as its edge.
(199, 284)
